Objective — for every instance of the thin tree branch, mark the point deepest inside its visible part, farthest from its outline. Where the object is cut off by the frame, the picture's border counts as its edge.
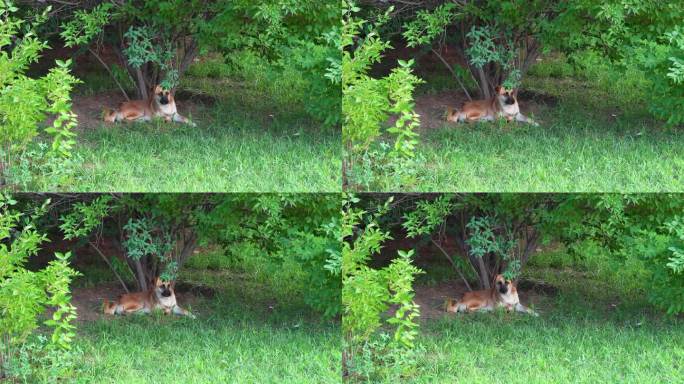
(444, 252)
(99, 252)
(453, 72)
(111, 74)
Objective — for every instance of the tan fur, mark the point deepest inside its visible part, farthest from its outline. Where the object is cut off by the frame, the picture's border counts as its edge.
(490, 299)
(491, 109)
(146, 110)
(147, 301)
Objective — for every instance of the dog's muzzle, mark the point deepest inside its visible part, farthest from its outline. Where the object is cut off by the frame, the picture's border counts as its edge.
(166, 293)
(509, 101)
(163, 100)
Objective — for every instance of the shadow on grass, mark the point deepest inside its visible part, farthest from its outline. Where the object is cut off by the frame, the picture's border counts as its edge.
(230, 150)
(242, 334)
(586, 333)
(579, 146)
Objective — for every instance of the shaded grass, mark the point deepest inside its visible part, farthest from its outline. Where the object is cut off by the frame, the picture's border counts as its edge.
(227, 345)
(228, 155)
(564, 347)
(246, 140)
(564, 155)
(583, 335)
(595, 138)
(246, 333)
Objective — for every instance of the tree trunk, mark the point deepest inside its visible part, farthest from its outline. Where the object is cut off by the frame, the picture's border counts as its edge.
(140, 81)
(187, 250)
(140, 275)
(484, 84)
(189, 55)
(484, 275)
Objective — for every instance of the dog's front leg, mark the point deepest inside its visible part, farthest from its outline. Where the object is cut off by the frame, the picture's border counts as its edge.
(180, 119)
(524, 119)
(521, 308)
(182, 312)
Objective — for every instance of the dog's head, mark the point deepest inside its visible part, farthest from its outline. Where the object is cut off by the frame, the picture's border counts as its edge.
(502, 285)
(506, 96)
(162, 96)
(163, 288)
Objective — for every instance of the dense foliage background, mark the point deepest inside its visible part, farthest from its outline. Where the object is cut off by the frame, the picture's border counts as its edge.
(288, 242)
(633, 241)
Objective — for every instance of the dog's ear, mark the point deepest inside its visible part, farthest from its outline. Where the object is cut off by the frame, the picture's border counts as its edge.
(514, 92)
(157, 281)
(157, 89)
(498, 89)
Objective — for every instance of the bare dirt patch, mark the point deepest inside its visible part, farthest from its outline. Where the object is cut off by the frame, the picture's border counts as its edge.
(431, 298)
(88, 301)
(432, 108)
(89, 108)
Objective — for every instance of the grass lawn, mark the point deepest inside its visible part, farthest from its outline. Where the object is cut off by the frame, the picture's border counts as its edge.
(247, 139)
(241, 335)
(590, 138)
(230, 154)
(587, 333)
(569, 346)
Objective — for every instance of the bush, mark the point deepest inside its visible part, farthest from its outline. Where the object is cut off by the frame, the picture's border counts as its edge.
(38, 168)
(20, 122)
(367, 293)
(25, 294)
(642, 234)
(368, 102)
(643, 37)
(287, 240)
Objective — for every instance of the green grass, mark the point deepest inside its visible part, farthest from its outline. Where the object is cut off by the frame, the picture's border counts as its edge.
(246, 141)
(596, 137)
(565, 347)
(229, 344)
(246, 333)
(231, 154)
(584, 335)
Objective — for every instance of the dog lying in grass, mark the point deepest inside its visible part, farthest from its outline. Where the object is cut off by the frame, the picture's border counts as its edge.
(503, 294)
(504, 104)
(160, 104)
(160, 296)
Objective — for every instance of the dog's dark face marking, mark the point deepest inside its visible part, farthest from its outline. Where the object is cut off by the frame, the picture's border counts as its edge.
(506, 96)
(163, 288)
(509, 99)
(503, 285)
(163, 96)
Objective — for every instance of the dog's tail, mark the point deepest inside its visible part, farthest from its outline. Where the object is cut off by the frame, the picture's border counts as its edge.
(109, 308)
(454, 306)
(453, 115)
(109, 115)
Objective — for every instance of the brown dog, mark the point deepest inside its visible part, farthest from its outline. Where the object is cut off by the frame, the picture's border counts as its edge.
(502, 294)
(160, 296)
(503, 105)
(160, 104)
